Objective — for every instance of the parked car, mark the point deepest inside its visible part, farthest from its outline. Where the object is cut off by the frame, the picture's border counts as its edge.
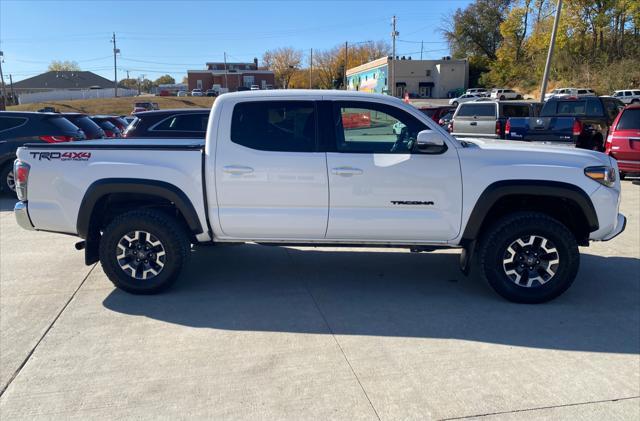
(127, 118)
(435, 113)
(181, 93)
(255, 87)
(146, 105)
(628, 96)
(623, 142)
(197, 92)
(179, 123)
(266, 172)
(90, 128)
(463, 98)
(488, 118)
(478, 91)
(110, 129)
(211, 92)
(502, 94)
(117, 121)
(583, 122)
(569, 92)
(19, 128)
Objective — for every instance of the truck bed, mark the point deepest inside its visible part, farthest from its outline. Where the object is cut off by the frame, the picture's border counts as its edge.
(66, 171)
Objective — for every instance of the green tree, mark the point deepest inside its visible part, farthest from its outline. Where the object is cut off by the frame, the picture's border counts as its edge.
(66, 65)
(164, 80)
(128, 83)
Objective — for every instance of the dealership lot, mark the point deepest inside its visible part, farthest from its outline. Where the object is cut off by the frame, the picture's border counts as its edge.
(269, 333)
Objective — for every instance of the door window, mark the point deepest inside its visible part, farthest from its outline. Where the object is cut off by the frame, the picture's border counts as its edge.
(7, 123)
(511, 110)
(185, 122)
(477, 110)
(281, 126)
(374, 128)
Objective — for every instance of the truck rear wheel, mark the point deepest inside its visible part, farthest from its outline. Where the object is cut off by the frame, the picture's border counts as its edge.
(143, 251)
(529, 257)
(7, 180)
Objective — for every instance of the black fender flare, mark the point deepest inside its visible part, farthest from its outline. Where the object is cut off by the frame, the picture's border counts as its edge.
(500, 189)
(101, 188)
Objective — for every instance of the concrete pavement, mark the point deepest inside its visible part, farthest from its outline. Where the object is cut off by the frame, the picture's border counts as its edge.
(257, 332)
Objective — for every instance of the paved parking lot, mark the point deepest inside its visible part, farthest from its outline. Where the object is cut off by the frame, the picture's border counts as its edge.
(260, 332)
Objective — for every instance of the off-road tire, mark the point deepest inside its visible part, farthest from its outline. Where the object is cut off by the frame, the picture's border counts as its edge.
(164, 228)
(502, 98)
(455, 103)
(493, 249)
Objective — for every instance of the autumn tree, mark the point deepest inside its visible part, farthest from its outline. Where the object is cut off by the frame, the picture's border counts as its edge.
(164, 80)
(63, 66)
(284, 62)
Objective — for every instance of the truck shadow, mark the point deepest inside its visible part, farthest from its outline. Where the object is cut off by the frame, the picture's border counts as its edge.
(387, 293)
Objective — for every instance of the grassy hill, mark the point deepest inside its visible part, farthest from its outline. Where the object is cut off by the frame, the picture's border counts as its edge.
(116, 106)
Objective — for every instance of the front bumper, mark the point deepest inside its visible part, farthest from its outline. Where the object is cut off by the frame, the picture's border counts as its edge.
(22, 216)
(621, 224)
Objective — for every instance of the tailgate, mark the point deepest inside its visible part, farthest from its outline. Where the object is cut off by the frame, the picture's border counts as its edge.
(474, 126)
(550, 129)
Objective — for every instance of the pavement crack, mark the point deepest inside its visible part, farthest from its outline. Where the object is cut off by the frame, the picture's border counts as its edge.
(44, 334)
(333, 335)
(488, 414)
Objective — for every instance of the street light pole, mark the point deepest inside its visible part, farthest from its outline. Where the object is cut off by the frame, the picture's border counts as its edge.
(392, 74)
(547, 66)
(4, 87)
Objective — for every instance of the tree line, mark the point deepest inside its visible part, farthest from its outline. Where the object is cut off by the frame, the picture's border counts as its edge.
(506, 42)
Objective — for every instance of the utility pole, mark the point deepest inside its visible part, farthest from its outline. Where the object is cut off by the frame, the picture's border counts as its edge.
(311, 70)
(392, 74)
(226, 82)
(4, 88)
(13, 95)
(346, 49)
(127, 74)
(115, 65)
(421, 48)
(547, 66)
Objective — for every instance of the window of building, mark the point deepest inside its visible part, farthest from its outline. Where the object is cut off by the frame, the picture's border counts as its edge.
(374, 128)
(428, 72)
(283, 126)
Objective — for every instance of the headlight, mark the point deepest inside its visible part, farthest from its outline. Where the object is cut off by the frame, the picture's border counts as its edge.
(603, 175)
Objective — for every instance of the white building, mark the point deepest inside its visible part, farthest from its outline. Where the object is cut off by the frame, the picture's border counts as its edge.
(420, 78)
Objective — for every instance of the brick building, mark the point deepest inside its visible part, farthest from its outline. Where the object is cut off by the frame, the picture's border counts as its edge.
(230, 76)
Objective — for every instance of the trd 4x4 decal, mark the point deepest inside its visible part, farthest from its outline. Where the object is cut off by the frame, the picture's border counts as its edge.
(62, 156)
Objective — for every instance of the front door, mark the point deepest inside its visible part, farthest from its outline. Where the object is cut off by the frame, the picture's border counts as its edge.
(380, 189)
(270, 180)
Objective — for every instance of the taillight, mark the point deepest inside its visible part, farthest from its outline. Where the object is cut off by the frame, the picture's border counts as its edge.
(57, 139)
(498, 128)
(507, 128)
(109, 133)
(577, 128)
(451, 127)
(21, 176)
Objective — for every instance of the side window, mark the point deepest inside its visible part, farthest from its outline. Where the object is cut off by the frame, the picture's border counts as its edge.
(477, 110)
(374, 128)
(627, 93)
(279, 126)
(185, 122)
(516, 111)
(7, 123)
(636, 92)
(594, 108)
(612, 109)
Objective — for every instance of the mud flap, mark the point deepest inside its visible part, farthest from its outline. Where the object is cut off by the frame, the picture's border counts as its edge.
(466, 257)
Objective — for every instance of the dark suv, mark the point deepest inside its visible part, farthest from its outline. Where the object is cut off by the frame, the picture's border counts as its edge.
(18, 128)
(183, 123)
(91, 129)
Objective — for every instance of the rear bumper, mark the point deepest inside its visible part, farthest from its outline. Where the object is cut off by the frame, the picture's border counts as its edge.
(22, 216)
(621, 224)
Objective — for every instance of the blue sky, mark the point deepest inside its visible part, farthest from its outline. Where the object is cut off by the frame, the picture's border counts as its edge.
(158, 37)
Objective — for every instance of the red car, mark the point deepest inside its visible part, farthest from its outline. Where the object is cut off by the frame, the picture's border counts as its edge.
(436, 113)
(623, 141)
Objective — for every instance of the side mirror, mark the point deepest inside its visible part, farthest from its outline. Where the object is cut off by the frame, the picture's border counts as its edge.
(430, 142)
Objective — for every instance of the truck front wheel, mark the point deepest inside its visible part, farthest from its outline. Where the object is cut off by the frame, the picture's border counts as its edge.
(143, 251)
(529, 257)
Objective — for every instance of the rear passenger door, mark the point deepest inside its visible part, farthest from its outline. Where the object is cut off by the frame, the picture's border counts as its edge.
(271, 181)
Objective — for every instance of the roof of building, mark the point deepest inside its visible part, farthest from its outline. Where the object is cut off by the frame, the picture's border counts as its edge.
(64, 80)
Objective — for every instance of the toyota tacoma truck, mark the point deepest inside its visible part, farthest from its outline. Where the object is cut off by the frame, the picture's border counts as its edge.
(290, 168)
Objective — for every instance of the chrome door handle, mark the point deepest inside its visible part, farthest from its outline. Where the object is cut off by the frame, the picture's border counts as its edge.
(473, 123)
(237, 169)
(346, 171)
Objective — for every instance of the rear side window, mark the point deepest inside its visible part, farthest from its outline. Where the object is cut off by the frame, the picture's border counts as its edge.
(636, 92)
(516, 111)
(479, 110)
(184, 123)
(87, 125)
(629, 120)
(279, 126)
(7, 123)
(62, 124)
(572, 108)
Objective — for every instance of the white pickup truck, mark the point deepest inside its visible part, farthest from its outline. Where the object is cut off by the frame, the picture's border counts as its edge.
(323, 168)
